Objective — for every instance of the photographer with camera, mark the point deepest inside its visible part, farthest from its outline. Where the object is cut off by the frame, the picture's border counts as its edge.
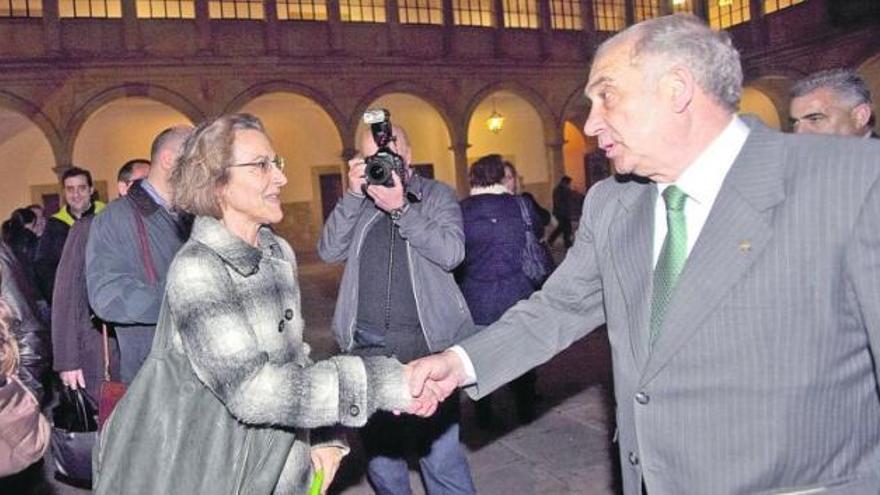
(400, 236)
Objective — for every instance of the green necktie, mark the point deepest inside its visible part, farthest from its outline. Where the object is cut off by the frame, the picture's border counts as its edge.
(671, 259)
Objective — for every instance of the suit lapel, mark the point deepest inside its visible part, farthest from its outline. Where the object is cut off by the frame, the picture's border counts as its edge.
(632, 241)
(736, 232)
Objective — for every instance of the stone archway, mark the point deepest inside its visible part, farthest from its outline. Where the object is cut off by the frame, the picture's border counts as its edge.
(522, 141)
(308, 137)
(27, 160)
(168, 97)
(118, 131)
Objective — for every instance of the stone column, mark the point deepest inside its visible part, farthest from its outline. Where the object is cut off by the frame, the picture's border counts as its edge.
(545, 24)
(334, 26)
(271, 39)
(555, 159)
(52, 29)
(448, 27)
(499, 28)
(132, 37)
(203, 28)
(392, 18)
(459, 150)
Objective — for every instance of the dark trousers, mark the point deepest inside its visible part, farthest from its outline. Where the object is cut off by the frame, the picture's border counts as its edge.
(523, 396)
(134, 347)
(388, 439)
(563, 228)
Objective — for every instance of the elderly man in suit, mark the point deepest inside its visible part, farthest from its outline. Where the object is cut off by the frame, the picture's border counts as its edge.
(738, 271)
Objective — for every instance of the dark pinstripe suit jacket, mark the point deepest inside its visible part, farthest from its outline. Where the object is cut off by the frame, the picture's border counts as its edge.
(763, 379)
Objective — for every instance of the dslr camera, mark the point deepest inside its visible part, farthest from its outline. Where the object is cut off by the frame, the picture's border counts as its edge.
(381, 163)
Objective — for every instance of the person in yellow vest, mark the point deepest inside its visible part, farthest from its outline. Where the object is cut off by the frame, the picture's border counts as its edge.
(78, 192)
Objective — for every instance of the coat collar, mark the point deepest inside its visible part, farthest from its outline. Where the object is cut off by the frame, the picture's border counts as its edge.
(141, 198)
(241, 256)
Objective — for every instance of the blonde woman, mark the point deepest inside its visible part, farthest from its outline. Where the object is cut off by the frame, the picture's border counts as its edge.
(24, 432)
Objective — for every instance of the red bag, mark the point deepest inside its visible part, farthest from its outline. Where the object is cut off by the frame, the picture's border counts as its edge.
(111, 390)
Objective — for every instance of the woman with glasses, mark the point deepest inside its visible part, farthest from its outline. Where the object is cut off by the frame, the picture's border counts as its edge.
(229, 400)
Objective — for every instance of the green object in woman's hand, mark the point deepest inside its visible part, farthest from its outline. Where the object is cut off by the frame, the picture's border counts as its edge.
(317, 483)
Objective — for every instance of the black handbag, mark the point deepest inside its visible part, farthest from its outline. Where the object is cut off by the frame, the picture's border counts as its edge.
(74, 431)
(537, 263)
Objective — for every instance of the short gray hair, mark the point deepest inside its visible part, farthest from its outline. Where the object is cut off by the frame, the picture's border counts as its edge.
(846, 83)
(685, 39)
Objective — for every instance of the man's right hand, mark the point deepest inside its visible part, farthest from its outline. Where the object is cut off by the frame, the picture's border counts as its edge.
(441, 373)
(73, 379)
(356, 177)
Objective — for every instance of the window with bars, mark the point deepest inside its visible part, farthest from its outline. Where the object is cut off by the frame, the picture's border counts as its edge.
(235, 9)
(726, 13)
(774, 5)
(362, 10)
(166, 9)
(566, 14)
(646, 9)
(420, 11)
(302, 10)
(473, 13)
(21, 8)
(90, 8)
(609, 15)
(683, 6)
(521, 14)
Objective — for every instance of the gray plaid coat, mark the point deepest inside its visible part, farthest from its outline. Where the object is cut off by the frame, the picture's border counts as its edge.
(228, 398)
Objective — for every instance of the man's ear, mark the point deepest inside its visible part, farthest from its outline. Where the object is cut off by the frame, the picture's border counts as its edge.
(680, 85)
(861, 114)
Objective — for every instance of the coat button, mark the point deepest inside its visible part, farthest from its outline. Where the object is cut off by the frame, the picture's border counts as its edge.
(288, 314)
(354, 410)
(280, 326)
(642, 398)
(633, 459)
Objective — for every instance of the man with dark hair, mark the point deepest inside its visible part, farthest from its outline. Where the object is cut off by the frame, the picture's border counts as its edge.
(76, 340)
(398, 298)
(835, 101)
(78, 191)
(129, 250)
(129, 172)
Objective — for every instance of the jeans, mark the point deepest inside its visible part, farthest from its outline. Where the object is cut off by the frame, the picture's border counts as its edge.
(134, 347)
(388, 439)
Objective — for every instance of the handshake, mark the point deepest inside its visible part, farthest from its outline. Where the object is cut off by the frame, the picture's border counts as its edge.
(432, 379)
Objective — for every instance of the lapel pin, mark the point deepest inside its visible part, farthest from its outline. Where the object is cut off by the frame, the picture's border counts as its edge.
(745, 246)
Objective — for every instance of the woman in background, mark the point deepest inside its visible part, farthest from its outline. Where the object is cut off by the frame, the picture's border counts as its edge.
(491, 276)
(24, 432)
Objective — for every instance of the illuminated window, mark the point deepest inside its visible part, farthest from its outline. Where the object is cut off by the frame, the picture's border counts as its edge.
(473, 13)
(683, 6)
(90, 8)
(21, 8)
(362, 10)
(166, 9)
(774, 5)
(521, 14)
(646, 9)
(726, 13)
(235, 9)
(609, 15)
(302, 10)
(566, 14)
(420, 11)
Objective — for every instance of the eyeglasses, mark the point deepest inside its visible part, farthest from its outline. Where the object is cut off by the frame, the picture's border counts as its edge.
(265, 164)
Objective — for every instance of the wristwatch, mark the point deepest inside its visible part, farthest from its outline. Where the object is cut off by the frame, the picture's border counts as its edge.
(396, 213)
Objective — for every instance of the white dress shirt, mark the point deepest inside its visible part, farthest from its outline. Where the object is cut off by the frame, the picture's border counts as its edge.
(701, 181)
